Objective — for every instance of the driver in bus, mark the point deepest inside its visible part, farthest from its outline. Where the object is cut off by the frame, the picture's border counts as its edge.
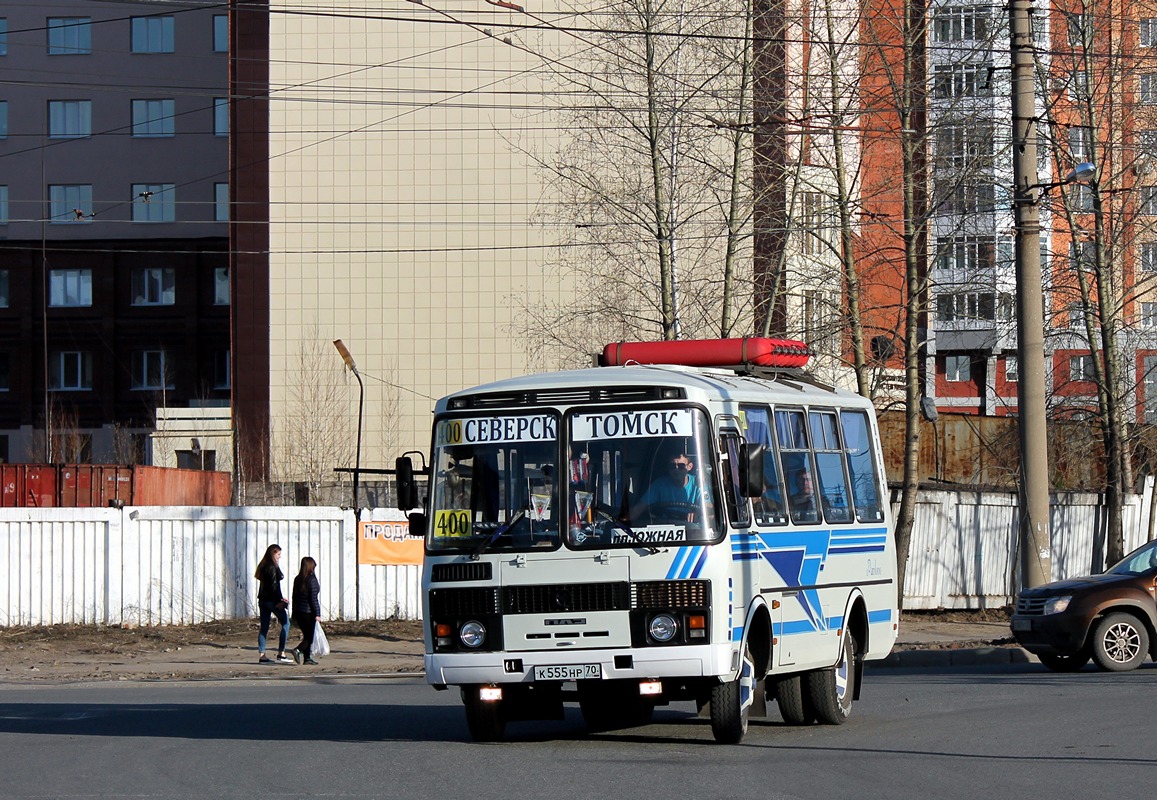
(673, 495)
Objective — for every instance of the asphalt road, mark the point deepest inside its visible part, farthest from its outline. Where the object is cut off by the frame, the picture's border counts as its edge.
(1008, 731)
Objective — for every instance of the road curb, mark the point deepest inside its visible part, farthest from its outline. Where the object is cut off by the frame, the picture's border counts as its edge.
(961, 657)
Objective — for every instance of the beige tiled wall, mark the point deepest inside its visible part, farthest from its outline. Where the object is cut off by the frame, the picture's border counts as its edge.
(400, 216)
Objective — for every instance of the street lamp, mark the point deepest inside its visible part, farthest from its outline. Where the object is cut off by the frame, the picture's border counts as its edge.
(349, 362)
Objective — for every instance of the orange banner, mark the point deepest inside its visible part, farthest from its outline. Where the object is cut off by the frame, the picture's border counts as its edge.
(388, 543)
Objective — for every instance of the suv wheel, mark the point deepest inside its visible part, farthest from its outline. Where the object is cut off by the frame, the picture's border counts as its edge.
(1120, 642)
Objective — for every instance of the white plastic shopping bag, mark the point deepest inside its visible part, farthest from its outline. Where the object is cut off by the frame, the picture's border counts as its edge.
(320, 643)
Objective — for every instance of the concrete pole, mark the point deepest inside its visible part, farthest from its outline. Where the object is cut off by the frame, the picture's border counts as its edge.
(1035, 551)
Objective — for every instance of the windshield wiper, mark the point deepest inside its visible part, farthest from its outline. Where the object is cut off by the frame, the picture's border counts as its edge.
(494, 536)
(625, 528)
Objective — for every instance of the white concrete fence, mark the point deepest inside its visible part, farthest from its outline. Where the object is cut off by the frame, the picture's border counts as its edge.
(184, 565)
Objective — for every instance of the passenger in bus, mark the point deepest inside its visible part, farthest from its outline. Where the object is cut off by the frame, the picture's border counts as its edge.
(803, 500)
(769, 504)
(674, 494)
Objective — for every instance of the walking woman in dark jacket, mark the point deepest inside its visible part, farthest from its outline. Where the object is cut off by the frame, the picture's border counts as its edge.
(306, 608)
(270, 602)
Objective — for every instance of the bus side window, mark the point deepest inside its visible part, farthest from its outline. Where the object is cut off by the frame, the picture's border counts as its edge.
(862, 466)
(769, 507)
(833, 480)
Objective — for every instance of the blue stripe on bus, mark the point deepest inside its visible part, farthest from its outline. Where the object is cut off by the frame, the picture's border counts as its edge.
(680, 556)
(875, 617)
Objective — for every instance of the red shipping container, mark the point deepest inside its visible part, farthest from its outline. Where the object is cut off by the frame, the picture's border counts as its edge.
(27, 486)
(101, 485)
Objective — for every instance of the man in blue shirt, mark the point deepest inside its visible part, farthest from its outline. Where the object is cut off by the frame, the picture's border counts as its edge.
(672, 496)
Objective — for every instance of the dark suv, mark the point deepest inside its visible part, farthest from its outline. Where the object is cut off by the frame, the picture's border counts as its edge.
(1111, 618)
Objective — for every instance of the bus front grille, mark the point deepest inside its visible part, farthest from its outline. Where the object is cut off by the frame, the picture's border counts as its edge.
(565, 597)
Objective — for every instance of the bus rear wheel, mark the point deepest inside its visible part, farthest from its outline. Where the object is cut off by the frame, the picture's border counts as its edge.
(484, 718)
(731, 701)
(830, 690)
(794, 704)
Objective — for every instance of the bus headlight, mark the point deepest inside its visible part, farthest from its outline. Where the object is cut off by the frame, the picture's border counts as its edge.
(662, 627)
(472, 633)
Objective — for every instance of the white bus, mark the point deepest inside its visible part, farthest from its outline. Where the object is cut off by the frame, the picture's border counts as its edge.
(649, 531)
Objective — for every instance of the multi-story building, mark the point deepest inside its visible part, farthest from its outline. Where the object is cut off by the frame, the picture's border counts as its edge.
(114, 207)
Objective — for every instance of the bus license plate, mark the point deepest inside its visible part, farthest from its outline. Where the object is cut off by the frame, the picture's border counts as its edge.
(568, 672)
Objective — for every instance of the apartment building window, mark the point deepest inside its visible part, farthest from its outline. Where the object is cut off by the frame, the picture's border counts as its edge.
(154, 202)
(69, 36)
(962, 144)
(70, 202)
(961, 24)
(815, 316)
(151, 370)
(3, 119)
(1077, 315)
(154, 286)
(153, 118)
(958, 306)
(220, 33)
(222, 374)
(1078, 29)
(1078, 85)
(69, 119)
(3, 288)
(1081, 368)
(221, 286)
(1081, 143)
(70, 288)
(1083, 255)
(1149, 256)
(1147, 90)
(970, 197)
(1011, 368)
(960, 80)
(1147, 142)
(152, 34)
(815, 222)
(221, 116)
(966, 253)
(221, 202)
(3, 36)
(70, 371)
(1149, 315)
(1079, 197)
(1148, 32)
(958, 368)
(1149, 200)
(1149, 388)
(3, 205)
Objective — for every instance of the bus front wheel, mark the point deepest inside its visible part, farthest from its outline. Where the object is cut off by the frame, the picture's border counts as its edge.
(484, 718)
(731, 701)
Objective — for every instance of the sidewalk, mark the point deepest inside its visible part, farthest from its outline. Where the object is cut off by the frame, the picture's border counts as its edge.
(927, 640)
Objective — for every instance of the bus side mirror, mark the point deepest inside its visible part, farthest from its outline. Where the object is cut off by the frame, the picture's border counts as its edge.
(407, 488)
(751, 469)
(418, 524)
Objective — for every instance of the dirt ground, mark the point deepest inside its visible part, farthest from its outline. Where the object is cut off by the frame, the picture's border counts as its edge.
(226, 650)
(216, 650)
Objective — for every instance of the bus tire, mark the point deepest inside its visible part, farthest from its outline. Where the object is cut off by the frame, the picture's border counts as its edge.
(731, 701)
(830, 690)
(484, 718)
(794, 704)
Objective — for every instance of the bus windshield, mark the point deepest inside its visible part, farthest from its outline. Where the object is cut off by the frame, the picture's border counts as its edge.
(640, 478)
(494, 483)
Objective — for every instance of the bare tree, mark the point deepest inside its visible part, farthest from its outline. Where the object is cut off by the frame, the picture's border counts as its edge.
(315, 433)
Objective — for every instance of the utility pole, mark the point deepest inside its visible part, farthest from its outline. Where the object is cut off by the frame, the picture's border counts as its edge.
(1035, 548)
